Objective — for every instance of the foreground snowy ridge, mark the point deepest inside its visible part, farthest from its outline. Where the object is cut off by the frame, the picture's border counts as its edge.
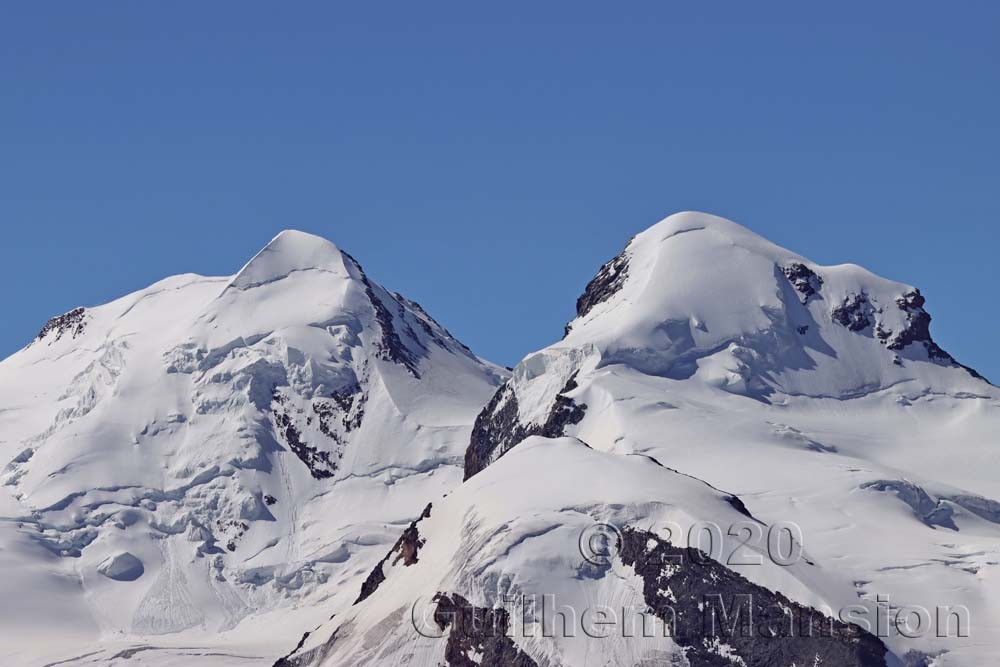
(205, 470)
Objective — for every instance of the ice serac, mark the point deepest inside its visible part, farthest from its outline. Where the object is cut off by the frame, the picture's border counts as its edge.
(223, 450)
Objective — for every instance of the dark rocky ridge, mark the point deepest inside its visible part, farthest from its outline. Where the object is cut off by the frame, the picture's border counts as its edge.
(708, 605)
(291, 660)
(407, 548)
(858, 313)
(497, 428)
(434, 330)
(609, 280)
(391, 346)
(72, 323)
(477, 631)
(396, 315)
(918, 331)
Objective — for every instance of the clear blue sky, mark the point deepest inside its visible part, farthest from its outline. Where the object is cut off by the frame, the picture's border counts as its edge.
(486, 158)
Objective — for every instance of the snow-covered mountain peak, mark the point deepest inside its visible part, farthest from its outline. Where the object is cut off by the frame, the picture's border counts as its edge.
(815, 395)
(228, 444)
(699, 296)
(701, 304)
(292, 251)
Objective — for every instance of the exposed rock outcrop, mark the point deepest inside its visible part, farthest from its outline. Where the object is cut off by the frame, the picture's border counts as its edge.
(291, 660)
(321, 463)
(918, 331)
(406, 549)
(477, 636)
(72, 324)
(858, 313)
(805, 281)
(346, 406)
(498, 429)
(391, 347)
(855, 312)
(609, 280)
(722, 618)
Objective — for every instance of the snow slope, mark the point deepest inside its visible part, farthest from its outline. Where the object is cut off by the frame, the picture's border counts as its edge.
(210, 451)
(815, 395)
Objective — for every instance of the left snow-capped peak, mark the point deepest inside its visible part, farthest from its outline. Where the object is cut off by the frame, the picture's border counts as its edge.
(244, 430)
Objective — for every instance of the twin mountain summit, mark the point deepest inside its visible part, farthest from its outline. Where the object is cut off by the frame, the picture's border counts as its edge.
(297, 466)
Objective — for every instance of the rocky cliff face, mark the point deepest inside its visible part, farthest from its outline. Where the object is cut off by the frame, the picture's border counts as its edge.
(721, 618)
(405, 552)
(498, 426)
(609, 280)
(70, 324)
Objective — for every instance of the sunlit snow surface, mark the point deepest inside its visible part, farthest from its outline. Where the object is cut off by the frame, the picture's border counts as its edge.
(711, 368)
(153, 433)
